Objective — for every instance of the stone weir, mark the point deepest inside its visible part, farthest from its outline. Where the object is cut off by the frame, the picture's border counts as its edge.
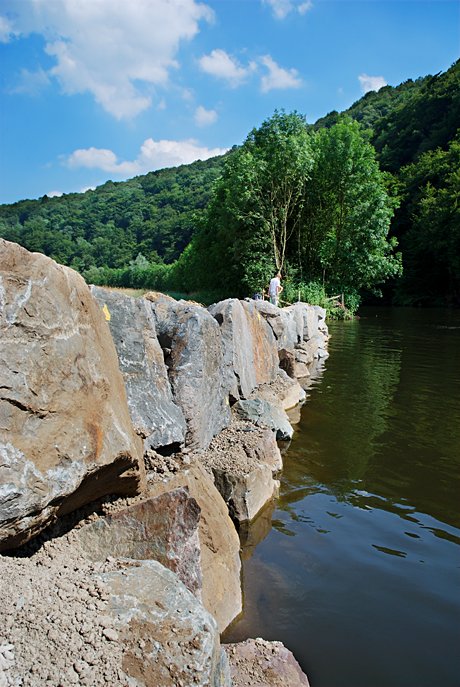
(136, 437)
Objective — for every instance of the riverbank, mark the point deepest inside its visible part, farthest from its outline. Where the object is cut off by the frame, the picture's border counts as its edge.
(136, 433)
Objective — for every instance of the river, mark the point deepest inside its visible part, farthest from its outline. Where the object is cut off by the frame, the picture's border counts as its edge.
(356, 567)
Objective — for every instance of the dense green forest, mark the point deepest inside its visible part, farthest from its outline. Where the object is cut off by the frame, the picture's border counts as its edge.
(334, 205)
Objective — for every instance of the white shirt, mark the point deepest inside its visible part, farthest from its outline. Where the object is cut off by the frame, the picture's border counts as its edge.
(274, 285)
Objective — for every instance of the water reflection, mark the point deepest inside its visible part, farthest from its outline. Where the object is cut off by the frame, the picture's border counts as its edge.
(254, 532)
(359, 574)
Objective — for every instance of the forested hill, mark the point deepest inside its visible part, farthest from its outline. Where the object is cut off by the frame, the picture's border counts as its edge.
(154, 215)
(409, 119)
(414, 129)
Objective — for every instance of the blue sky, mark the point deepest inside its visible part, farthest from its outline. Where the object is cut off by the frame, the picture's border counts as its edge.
(92, 90)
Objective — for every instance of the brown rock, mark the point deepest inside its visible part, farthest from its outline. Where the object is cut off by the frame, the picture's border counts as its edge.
(65, 433)
(258, 663)
(162, 528)
(284, 392)
(243, 460)
(220, 559)
(168, 638)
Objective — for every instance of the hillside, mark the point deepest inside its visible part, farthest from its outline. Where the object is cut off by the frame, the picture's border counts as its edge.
(413, 128)
(154, 215)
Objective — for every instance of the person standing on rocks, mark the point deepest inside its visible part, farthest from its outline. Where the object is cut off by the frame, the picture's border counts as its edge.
(275, 289)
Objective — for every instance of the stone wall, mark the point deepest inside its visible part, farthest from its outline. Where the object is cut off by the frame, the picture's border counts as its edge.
(154, 400)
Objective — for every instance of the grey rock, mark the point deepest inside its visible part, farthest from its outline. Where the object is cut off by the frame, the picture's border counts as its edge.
(168, 638)
(285, 323)
(156, 418)
(310, 322)
(249, 344)
(194, 356)
(284, 392)
(294, 327)
(265, 414)
(65, 432)
(162, 528)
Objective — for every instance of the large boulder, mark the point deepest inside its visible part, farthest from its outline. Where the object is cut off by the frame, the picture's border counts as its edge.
(156, 418)
(193, 350)
(295, 323)
(250, 349)
(65, 432)
(168, 638)
(219, 543)
(258, 663)
(243, 460)
(285, 323)
(66, 620)
(162, 528)
(301, 334)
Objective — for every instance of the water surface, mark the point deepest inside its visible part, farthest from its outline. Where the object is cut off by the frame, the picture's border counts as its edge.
(357, 569)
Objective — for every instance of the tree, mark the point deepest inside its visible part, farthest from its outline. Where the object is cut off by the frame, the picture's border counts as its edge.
(431, 241)
(347, 212)
(256, 206)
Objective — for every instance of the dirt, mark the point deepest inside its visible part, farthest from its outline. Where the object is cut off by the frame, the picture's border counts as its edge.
(54, 624)
(259, 663)
(234, 448)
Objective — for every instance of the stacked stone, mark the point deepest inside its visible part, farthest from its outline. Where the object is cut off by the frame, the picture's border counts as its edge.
(156, 401)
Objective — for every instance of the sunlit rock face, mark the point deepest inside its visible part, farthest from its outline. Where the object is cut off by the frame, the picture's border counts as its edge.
(156, 418)
(219, 544)
(66, 436)
(250, 348)
(168, 638)
(194, 356)
(163, 528)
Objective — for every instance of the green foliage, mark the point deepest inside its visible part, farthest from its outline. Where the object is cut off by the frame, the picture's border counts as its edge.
(155, 215)
(347, 212)
(432, 242)
(414, 128)
(425, 120)
(255, 209)
(311, 292)
(311, 204)
(151, 276)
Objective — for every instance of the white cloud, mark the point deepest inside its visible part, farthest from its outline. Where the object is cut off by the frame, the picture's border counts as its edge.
(6, 30)
(114, 49)
(54, 194)
(305, 7)
(204, 117)
(152, 155)
(371, 83)
(278, 77)
(281, 8)
(31, 83)
(223, 66)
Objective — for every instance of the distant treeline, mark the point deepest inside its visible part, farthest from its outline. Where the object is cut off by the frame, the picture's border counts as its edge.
(194, 227)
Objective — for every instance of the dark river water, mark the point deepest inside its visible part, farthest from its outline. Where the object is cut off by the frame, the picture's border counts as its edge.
(356, 568)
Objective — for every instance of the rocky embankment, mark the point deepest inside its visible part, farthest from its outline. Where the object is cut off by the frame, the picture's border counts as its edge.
(136, 436)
